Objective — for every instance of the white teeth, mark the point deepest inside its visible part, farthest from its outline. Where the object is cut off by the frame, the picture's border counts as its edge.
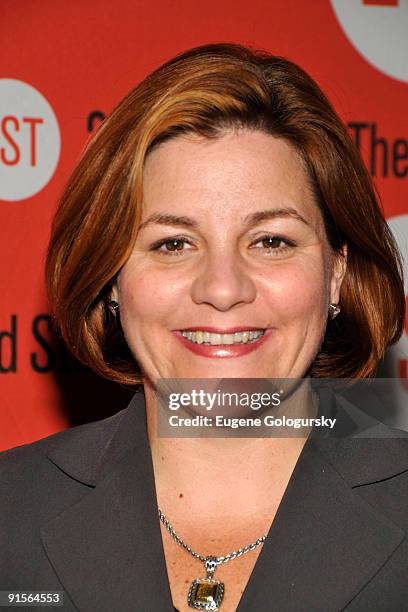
(200, 337)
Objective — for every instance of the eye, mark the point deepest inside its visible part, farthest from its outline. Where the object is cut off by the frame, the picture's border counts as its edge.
(274, 245)
(171, 246)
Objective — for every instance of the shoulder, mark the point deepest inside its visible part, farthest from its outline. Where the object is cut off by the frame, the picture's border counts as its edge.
(26, 457)
(35, 487)
(41, 480)
(32, 471)
(79, 452)
(84, 453)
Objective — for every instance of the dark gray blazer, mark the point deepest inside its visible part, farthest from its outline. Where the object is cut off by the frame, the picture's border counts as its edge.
(78, 513)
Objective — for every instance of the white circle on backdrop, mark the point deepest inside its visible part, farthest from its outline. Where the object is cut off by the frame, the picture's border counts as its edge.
(398, 353)
(399, 228)
(379, 33)
(30, 141)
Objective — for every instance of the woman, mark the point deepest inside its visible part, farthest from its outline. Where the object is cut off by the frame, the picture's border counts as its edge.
(219, 225)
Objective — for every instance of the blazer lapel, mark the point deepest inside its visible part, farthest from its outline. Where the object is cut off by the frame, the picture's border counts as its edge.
(326, 543)
(106, 549)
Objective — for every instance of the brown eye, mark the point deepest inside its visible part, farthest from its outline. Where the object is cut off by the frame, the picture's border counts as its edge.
(274, 246)
(174, 245)
(271, 242)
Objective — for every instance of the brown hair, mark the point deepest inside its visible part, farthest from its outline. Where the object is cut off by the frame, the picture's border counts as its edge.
(205, 91)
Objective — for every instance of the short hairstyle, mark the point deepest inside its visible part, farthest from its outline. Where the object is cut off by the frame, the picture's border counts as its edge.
(205, 91)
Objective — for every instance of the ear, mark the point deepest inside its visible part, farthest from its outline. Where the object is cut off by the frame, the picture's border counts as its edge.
(114, 293)
(339, 266)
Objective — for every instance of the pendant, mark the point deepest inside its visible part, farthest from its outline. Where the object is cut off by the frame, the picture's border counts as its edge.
(206, 593)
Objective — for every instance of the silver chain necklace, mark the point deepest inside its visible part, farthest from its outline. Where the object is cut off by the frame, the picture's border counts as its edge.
(207, 593)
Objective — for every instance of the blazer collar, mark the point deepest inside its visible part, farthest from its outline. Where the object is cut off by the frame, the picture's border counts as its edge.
(107, 549)
(88, 452)
(324, 545)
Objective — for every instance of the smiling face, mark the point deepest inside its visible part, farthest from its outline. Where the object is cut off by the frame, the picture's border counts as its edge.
(231, 242)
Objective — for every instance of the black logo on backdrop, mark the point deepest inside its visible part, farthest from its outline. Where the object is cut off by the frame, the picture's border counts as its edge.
(94, 119)
(384, 156)
(47, 354)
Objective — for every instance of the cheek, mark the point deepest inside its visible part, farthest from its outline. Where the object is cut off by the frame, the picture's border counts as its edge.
(297, 291)
(146, 297)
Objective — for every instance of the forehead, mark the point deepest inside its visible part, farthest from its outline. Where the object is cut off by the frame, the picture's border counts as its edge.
(237, 169)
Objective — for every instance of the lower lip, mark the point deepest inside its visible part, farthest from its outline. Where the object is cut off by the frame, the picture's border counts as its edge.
(222, 350)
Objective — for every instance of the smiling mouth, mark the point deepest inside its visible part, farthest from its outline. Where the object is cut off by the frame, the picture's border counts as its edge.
(216, 339)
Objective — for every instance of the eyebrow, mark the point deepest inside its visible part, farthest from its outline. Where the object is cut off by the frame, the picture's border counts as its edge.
(168, 219)
(250, 220)
(264, 215)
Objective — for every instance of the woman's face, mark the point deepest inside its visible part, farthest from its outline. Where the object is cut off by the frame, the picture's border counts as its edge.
(231, 242)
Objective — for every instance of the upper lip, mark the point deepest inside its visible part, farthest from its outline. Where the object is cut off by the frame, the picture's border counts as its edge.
(219, 330)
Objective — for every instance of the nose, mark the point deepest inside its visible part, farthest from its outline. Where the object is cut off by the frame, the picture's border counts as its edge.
(223, 282)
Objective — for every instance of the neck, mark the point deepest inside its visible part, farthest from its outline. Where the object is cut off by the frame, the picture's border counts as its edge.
(213, 472)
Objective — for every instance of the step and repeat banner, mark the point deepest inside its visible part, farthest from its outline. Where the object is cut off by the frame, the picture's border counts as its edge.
(63, 67)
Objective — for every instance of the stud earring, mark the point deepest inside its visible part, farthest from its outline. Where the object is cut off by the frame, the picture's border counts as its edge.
(113, 307)
(334, 310)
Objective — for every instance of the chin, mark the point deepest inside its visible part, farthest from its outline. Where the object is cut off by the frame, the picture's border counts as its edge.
(217, 371)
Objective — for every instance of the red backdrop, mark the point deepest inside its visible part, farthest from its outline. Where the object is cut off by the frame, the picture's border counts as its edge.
(65, 64)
